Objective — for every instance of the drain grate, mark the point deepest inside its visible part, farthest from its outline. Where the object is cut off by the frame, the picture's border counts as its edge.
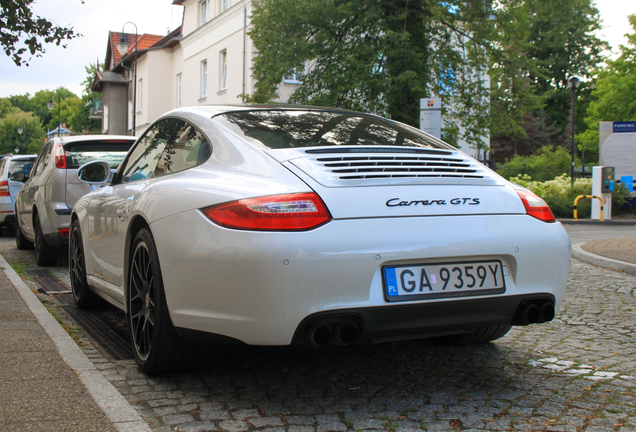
(49, 284)
(98, 328)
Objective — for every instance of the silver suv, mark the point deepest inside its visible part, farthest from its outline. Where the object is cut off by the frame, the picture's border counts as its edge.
(43, 206)
(14, 171)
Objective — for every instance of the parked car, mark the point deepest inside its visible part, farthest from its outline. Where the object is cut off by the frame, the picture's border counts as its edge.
(14, 171)
(297, 225)
(43, 206)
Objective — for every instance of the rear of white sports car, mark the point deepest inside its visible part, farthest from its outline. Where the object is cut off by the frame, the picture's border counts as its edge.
(386, 234)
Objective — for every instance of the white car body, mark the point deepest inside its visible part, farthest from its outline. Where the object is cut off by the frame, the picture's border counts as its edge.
(265, 287)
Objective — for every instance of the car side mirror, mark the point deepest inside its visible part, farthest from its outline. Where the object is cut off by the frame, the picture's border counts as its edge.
(18, 176)
(95, 173)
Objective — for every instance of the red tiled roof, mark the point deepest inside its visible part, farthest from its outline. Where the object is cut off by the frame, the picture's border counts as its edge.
(144, 41)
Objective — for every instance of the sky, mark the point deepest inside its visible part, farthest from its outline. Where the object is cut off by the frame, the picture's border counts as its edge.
(60, 67)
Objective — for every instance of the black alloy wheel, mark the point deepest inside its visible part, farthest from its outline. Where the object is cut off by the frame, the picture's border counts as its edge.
(158, 348)
(82, 295)
(45, 254)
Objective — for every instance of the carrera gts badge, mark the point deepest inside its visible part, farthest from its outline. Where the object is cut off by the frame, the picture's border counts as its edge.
(396, 202)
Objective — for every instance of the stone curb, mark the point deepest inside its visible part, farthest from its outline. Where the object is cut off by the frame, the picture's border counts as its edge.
(119, 412)
(601, 261)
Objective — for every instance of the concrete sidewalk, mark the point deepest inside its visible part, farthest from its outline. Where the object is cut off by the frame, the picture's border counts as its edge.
(48, 383)
(613, 244)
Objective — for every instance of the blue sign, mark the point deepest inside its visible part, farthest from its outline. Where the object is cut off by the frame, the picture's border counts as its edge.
(624, 126)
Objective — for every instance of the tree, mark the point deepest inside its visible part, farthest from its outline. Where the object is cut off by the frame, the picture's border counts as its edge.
(37, 103)
(545, 47)
(614, 98)
(379, 56)
(32, 135)
(21, 31)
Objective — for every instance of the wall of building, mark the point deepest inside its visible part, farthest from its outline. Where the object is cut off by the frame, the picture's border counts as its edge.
(112, 96)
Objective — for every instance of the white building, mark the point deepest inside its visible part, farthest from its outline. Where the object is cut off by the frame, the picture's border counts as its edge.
(205, 61)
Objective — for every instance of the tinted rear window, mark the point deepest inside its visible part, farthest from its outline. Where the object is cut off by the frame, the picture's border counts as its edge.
(289, 129)
(20, 166)
(112, 151)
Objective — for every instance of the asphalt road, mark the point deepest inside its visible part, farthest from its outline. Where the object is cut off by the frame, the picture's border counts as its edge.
(576, 373)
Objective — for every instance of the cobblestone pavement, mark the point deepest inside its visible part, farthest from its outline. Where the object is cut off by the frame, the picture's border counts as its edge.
(577, 373)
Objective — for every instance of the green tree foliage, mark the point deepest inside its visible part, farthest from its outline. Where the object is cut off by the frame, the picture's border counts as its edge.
(546, 164)
(614, 98)
(37, 103)
(11, 119)
(20, 31)
(379, 56)
(541, 47)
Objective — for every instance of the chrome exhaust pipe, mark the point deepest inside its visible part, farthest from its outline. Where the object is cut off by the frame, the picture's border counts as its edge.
(529, 314)
(345, 333)
(319, 336)
(546, 312)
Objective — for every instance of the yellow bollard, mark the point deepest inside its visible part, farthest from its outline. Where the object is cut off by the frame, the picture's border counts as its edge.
(588, 196)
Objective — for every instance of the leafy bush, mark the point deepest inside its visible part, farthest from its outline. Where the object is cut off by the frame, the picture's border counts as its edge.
(545, 165)
(560, 195)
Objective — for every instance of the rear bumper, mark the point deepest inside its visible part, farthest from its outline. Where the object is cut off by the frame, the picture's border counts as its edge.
(406, 321)
(258, 287)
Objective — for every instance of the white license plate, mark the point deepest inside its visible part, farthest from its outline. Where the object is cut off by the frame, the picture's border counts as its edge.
(433, 281)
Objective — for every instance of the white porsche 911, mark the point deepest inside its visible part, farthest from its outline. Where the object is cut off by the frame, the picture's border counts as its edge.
(287, 225)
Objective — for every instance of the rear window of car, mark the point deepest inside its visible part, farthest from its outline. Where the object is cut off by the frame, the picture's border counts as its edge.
(20, 166)
(80, 152)
(277, 129)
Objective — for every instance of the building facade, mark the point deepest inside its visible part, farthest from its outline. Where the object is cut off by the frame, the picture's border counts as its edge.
(207, 60)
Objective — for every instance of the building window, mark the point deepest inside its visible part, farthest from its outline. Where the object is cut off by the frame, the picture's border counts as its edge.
(140, 102)
(204, 11)
(130, 115)
(223, 73)
(204, 78)
(179, 90)
(225, 5)
(295, 76)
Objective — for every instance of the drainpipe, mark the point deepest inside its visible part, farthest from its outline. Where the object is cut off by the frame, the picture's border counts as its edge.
(244, 35)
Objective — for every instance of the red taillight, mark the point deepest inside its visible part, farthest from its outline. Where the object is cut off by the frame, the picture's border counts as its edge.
(60, 157)
(291, 212)
(535, 206)
(4, 188)
(64, 232)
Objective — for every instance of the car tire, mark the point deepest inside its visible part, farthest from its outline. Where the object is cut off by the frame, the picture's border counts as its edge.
(477, 336)
(45, 254)
(157, 346)
(20, 240)
(83, 296)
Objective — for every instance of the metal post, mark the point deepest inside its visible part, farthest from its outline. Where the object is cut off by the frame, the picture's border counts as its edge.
(573, 127)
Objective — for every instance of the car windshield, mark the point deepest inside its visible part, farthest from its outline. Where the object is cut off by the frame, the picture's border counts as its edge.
(20, 166)
(276, 129)
(112, 151)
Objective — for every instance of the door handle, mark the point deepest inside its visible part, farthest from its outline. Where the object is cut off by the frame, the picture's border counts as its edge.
(121, 213)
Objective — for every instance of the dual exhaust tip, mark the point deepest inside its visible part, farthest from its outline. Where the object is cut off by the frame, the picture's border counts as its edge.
(535, 312)
(337, 333)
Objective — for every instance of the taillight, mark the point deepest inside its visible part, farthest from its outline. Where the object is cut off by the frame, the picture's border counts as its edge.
(60, 157)
(290, 212)
(4, 188)
(535, 206)
(64, 232)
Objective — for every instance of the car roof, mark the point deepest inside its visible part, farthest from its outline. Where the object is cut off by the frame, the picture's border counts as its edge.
(213, 110)
(19, 157)
(69, 139)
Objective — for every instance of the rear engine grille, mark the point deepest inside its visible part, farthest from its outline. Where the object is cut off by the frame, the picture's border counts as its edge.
(370, 167)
